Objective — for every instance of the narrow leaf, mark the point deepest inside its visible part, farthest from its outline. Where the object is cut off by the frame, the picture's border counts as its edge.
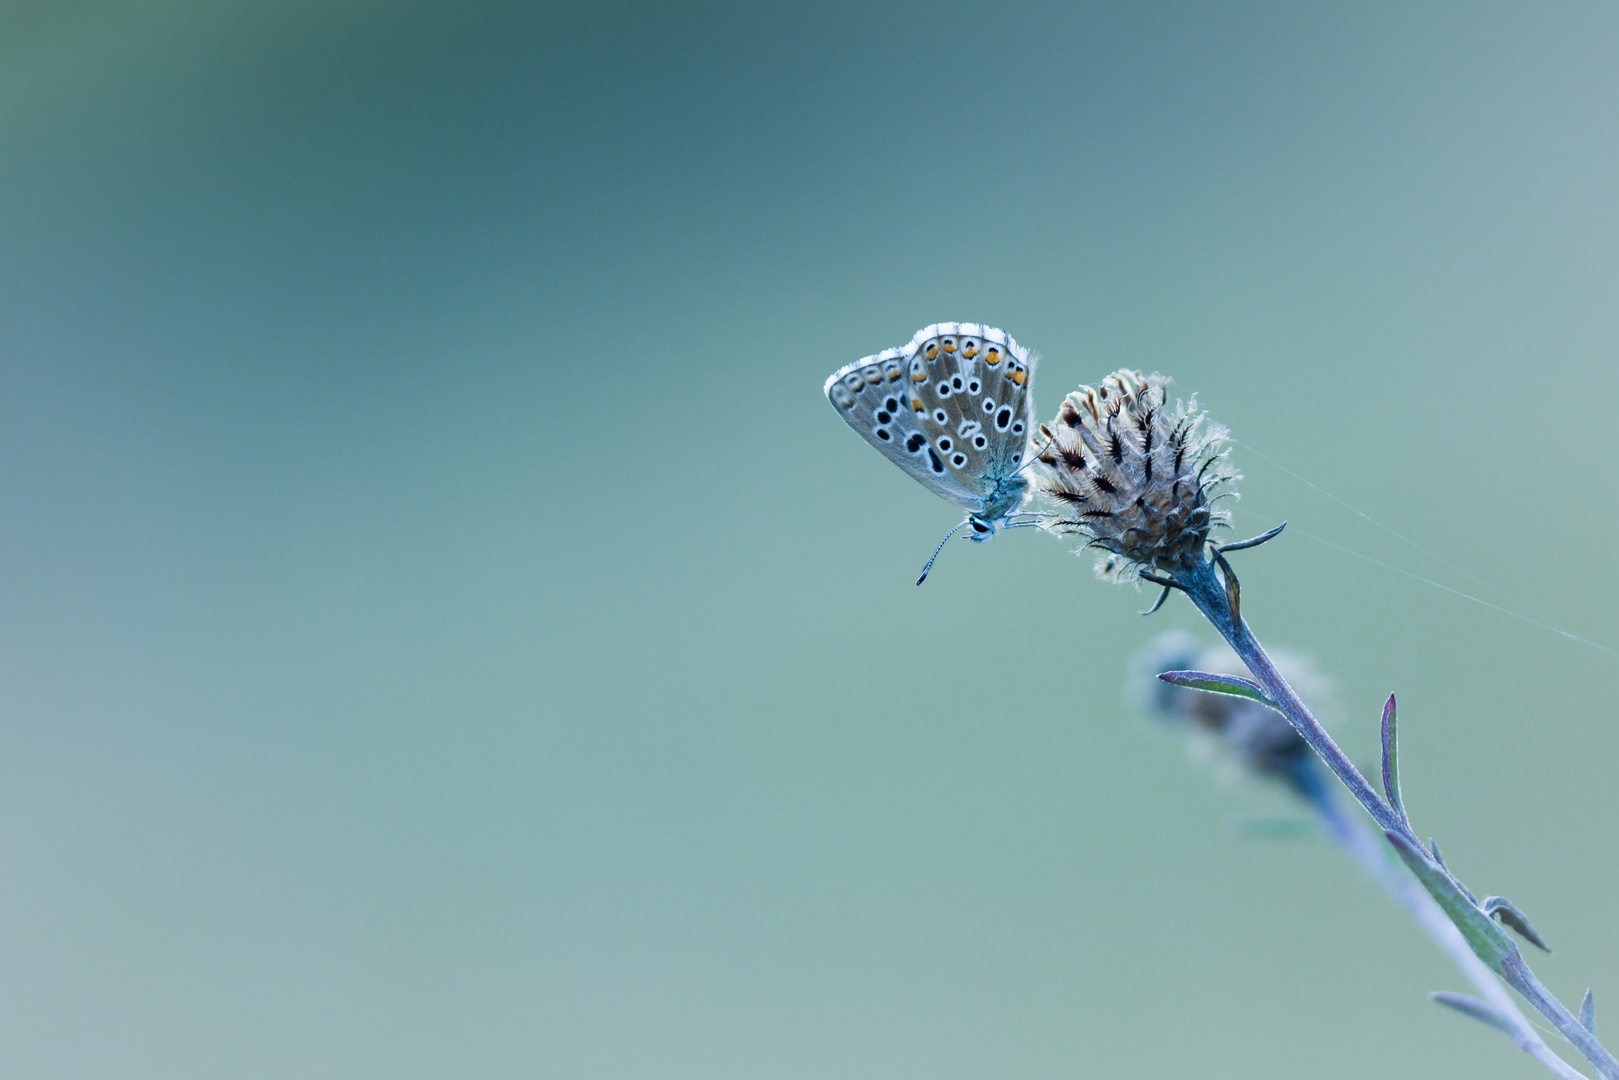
(1233, 588)
(1487, 940)
(1513, 919)
(1391, 760)
(1472, 1006)
(1241, 545)
(1218, 684)
(1433, 848)
(1588, 1013)
(1264, 826)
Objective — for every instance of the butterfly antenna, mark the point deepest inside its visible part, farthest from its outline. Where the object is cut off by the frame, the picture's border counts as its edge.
(940, 548)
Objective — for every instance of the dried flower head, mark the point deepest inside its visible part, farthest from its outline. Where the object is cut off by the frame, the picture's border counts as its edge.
(1254, 737)
(1134, 475)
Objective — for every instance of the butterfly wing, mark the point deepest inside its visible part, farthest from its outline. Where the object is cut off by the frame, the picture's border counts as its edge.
(975, 401)
(951, 408)
(874, 396)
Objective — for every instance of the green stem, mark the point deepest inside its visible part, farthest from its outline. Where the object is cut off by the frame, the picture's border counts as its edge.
(1487, 940)
(1378, 862)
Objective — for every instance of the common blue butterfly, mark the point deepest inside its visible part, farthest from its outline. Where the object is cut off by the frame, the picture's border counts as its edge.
(952, 409)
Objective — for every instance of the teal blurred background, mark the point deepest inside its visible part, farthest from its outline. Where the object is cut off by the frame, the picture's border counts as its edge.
(445, 632)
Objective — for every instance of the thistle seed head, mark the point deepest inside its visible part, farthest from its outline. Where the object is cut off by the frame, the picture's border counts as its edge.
(1135, 475)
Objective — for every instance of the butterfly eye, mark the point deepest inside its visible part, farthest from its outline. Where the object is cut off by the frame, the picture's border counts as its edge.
(979, 526)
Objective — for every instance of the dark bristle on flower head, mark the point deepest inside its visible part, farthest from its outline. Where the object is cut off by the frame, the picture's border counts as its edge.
(1144, 473)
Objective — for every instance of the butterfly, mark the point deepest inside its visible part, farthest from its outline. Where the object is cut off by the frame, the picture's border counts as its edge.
(952, 409)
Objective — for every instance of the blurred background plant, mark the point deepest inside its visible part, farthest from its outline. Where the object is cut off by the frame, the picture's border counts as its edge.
(1236, 738)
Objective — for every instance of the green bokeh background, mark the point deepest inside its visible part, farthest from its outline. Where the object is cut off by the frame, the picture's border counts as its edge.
(444, 631)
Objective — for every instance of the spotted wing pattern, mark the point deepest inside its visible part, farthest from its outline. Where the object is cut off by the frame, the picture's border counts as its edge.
(951, 408)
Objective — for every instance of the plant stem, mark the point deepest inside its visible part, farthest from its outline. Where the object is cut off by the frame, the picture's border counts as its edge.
(1378, 862)
(1216, 600)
